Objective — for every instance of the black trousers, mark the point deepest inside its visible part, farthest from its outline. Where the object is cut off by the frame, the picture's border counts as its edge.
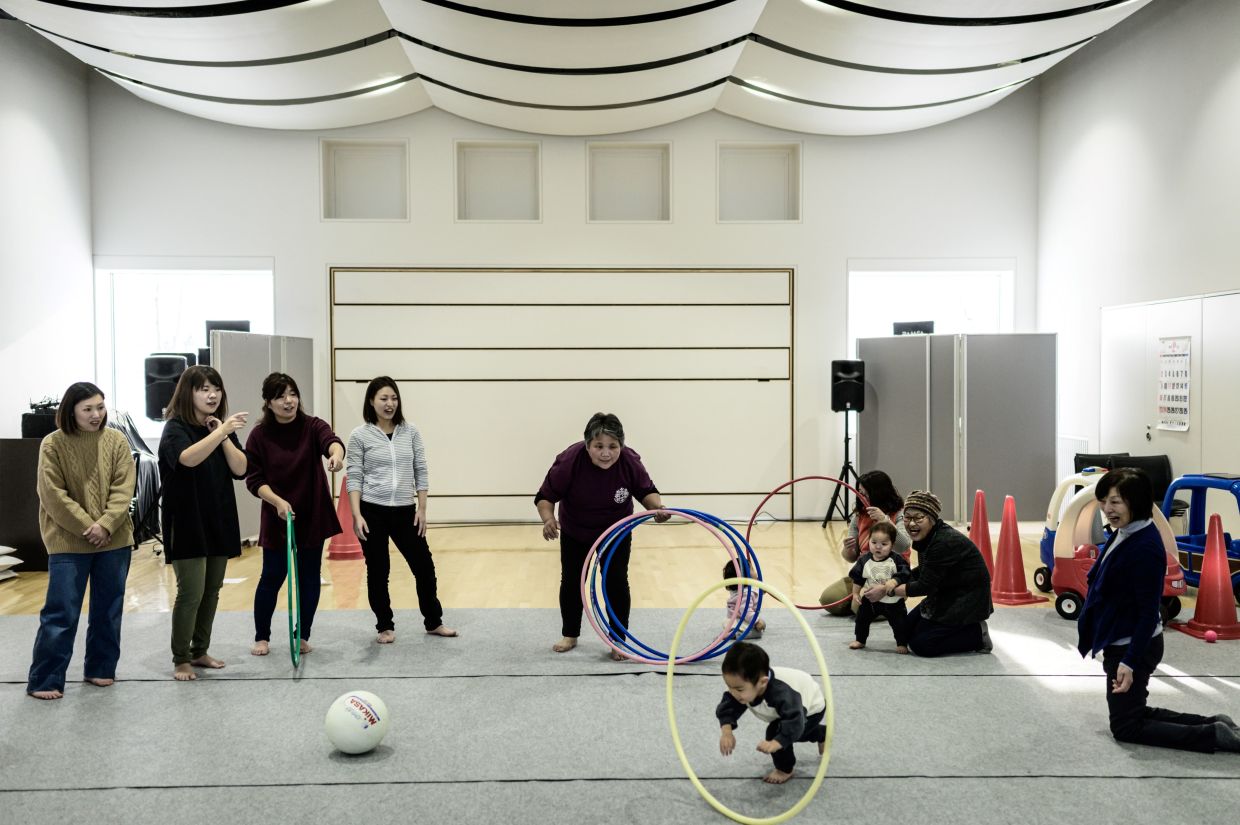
(896, 613)
(1132, 720)
(815, 731)
(929, 638)
(275, 571)
(573, 554)
(396, 524)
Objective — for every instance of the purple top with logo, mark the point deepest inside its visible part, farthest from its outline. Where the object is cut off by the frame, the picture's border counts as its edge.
(592, 499)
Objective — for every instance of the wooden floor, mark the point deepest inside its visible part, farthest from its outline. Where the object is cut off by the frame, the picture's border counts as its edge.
(511, 566)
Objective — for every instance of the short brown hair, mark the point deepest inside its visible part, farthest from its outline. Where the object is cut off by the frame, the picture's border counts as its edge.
(182, 404)
(66, 421)
(886, 528)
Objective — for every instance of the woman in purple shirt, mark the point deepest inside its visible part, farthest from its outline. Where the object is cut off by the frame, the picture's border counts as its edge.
(595, 482)
(286, 452)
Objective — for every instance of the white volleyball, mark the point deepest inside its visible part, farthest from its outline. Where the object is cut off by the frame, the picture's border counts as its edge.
(357, 722)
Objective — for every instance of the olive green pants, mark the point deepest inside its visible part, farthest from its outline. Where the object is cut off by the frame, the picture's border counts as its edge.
(841, 589)
(193, 613)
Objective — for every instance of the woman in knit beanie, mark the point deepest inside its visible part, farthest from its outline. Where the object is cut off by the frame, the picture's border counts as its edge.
(85, 483)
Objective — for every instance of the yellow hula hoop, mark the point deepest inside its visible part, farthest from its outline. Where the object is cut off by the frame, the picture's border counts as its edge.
(826, 693)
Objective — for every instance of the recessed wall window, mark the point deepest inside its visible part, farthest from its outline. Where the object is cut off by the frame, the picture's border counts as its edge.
(759, 182)
(365, 180)
(629, 181)
(497, 181)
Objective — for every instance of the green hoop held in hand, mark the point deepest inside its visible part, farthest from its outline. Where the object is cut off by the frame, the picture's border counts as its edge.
(294, 594)
(826, 693)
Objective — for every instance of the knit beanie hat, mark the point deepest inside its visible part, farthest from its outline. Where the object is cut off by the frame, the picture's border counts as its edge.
(925, 501)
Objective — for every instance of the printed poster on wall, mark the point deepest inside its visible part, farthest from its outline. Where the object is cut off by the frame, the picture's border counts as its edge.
(1173, 383)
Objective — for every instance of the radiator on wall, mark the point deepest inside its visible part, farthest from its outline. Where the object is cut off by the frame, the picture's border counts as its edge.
(1065, 455)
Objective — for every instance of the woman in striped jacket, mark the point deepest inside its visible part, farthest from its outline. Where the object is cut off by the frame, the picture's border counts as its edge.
(386, 468)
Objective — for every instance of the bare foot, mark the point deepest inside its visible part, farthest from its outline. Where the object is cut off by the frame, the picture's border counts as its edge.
(100, 682)
(386, 637)
(47, 694)
(442, 630)
(305, 647)
(854, 645)
(822, 747)
(260, 649)
(565, 644)
(901, 649)
(207, 661)
(776, 777)
(617, 656)
(184, 672)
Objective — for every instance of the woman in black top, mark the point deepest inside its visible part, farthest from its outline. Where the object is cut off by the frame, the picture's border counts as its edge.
(199, 459)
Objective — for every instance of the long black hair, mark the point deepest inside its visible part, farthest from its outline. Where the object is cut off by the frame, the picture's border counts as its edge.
(881, 491)
(372, 389)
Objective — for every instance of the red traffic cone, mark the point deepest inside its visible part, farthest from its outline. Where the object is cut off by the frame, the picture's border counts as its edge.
(1008, 584)
(979, 531)
(344, 545)
(1216, 604)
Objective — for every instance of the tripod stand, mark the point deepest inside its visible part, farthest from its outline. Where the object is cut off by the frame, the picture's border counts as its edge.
(847, 475)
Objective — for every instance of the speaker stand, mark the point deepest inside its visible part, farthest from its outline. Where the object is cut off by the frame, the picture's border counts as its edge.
(847, 475)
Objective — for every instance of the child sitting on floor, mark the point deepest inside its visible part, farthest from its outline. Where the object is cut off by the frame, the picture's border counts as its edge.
(735, 596)
(876, 570)
(789, 701)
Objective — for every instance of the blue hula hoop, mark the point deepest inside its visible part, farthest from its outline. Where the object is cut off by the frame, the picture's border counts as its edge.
(609, 622)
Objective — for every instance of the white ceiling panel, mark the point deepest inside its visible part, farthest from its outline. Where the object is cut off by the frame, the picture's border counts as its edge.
(583, 9)
(349, 71)
(978, 9)
(332, 114)
(552, 122)
(291, 30)
(572, 90)
(799, 117)
(787, 74)
(872, 41)
(572, 46)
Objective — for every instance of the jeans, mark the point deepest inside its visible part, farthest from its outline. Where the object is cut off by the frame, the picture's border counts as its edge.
(67, 577)
(275, 570)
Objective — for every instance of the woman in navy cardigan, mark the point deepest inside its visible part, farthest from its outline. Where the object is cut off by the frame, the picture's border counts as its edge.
(1121, 619)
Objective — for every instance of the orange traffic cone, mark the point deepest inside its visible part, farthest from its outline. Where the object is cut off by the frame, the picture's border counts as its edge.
(344, 545)
(979, 531)
(1008, 584)
(1216, 605)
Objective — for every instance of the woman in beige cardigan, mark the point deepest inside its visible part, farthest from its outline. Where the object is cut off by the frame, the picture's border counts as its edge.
(85, 483)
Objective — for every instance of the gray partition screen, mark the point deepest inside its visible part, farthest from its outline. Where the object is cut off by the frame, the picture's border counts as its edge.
(893, 430)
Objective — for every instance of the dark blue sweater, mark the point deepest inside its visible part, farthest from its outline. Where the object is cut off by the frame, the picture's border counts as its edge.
(1125, 591)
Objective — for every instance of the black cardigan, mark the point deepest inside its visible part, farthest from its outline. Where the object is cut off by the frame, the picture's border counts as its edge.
(952, 575)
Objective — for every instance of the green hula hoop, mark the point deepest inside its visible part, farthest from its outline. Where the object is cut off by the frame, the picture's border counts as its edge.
(826, 693)
(294, 594)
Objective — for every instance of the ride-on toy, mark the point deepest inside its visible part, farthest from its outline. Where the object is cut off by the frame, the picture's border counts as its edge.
(1087, 477)
(1192, 546)
(1074, 554)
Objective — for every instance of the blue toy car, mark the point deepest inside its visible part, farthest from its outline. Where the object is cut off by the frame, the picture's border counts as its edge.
(1192, 545)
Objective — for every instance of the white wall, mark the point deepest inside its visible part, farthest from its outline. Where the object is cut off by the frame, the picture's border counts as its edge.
(1139, 175)
(170, 184)
(46, 315)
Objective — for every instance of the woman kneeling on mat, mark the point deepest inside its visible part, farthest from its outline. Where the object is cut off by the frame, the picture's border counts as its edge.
(952, 576)
(387, 471)
(885, 507)
(595, 482)
(199, 457)
(85, 482)
(286, 452)
(1121, 619)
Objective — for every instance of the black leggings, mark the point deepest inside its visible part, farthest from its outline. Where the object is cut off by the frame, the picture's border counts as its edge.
(815, 731)
(573, 554)
(1132, 720)
(396, 523)
(895, 612)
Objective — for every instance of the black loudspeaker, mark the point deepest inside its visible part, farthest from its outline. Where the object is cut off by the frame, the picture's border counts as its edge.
(204, 356)
(162, 372)
(38, 424)
(847, 386)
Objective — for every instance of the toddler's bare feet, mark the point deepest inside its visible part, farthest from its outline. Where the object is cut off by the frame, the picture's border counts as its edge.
(184, 672)
(99, 681)
(901, 649)
(855, 645)
(565, 644)
(386, 637)
(47, 694)
(207, 661)
(443, 630)
(260, 648)
(617, 656)
(776, 777)
(305, 647)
